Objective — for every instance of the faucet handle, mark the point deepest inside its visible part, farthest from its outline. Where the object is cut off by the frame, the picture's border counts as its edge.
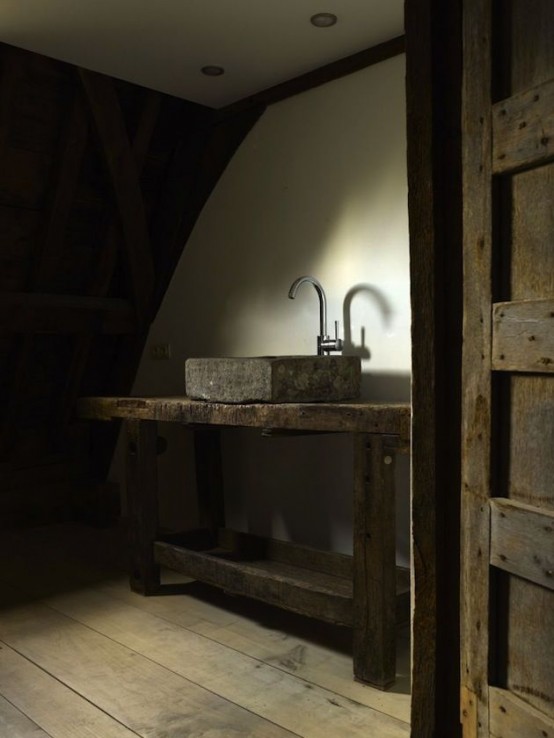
(338, 341)
(327, 344)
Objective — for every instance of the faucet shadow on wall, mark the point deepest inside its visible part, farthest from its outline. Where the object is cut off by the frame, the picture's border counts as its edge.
(349, 348)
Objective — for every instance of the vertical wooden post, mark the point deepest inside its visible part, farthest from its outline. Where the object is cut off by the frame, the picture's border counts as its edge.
(209, 478)
(476, 423)
(374, 562)
(433, 100)
(142, 501)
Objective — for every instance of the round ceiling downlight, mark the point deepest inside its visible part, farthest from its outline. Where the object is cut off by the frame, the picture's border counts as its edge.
(323, 20)
(212, 70)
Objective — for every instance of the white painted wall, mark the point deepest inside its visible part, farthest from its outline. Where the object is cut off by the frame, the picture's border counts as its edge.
(318, 187)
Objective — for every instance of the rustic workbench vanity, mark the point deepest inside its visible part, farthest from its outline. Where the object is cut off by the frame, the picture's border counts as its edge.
(366, 591)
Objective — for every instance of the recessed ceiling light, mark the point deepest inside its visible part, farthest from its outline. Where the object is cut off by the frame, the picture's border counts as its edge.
(323, 20)
(211, 70)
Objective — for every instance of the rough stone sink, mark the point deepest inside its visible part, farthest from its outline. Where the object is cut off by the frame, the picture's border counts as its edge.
(273, 379)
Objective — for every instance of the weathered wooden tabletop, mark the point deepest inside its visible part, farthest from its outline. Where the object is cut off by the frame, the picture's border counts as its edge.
(345, 417)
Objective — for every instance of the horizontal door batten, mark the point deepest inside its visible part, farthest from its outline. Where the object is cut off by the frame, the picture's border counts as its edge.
(523, 129)
(522, 540)
(523, 336)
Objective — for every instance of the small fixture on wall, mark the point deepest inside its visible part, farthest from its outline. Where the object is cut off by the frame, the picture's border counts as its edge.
(323, 20)
(212, 70)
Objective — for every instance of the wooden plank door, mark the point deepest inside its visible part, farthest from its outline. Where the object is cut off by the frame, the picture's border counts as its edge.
(507, 660)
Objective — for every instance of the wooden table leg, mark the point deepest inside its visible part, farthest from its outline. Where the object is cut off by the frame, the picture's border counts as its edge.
(374, 562)
(209, 479)
(142, 501)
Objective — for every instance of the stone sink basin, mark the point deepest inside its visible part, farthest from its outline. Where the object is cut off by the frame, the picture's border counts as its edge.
(273, 379)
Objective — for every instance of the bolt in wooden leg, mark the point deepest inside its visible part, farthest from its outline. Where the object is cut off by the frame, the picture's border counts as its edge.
(374, 562)
(142, 501)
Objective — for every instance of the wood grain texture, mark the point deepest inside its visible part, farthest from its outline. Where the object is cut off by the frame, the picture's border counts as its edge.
(73, 559)
(47, 249)
(310, 593)
(433, 79)
(259, 687)
(532, 225)
(531, 439)
(18, 232)
(374, 584)
(100, 281)
(122, 168)
(468, 712)
(523, 336)
(287, 642)
(286, 586)
(70, 158)
(512, 717)
(339, 417)
(278, 697)
(532, 278)
(10, 80)
(34, 312)
(530, 624)
(529, 671)
(326, 562)
(476, 362)
(421, 207)
(522, 541)
(142, 503)
(523, 129)
(60, 711)
(532, 43)
(15, 724)
(243, 558)
(138, 693)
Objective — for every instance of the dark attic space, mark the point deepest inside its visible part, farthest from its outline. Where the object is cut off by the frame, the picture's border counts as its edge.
(101, 182)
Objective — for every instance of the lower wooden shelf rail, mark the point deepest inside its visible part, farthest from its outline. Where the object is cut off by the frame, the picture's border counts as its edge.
(366, 591)
(279, 573)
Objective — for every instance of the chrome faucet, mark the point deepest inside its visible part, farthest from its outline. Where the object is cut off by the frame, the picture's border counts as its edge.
(324, 343)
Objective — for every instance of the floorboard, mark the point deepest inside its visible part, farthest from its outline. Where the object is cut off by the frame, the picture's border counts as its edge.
(15, 724)
(194, 664)
(59, 711)
(316, 652)
(140, 694)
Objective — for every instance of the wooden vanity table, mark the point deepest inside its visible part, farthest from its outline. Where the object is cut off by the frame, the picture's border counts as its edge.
(366, 591)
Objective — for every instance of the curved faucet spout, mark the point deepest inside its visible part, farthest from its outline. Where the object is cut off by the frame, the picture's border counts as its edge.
(322, 307)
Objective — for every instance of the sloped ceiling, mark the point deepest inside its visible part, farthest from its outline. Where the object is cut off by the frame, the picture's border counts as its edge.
(164, 45)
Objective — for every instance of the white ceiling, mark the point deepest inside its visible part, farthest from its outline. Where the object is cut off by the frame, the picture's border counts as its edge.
(163, 44)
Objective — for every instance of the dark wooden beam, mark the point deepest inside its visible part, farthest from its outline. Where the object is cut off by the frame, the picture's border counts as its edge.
(100, 282)
(122, 169)
(31, 313)
(19, 312)
(433, 58)
(142, 499)
(319, 76)
(72, 149)
(9, 79)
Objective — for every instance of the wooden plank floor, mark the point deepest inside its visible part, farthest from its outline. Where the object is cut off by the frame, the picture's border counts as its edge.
(81, 655)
